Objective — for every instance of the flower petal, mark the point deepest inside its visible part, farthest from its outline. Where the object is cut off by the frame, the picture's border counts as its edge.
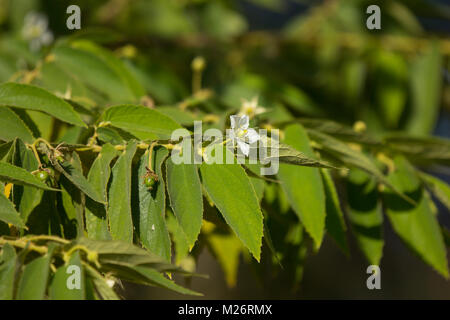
(252, 135)
(243, 122)
(245, 148)
(234, 120)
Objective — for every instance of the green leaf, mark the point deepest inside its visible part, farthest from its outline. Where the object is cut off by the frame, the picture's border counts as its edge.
(26, 198)
(17, 175)
(73, 199)
(115, 252)
(232, 192)
(421, 149)
(157, 279)
(34, 98)
(365, 215)
(415, 224)
(11, 126)
(7, 272)
(390, 86)
(103, 289)
(98, 177)
(426, 85)
(182, 117)
(351, 157)
(144, 123)
(179, 239)
(258, 185)
(439, 188)
(113, 136)
(298, 99)
(29, 123)
(446, 235)
(59, 289)
(96, 69)
(44, 218)
(119, 206)
(185, 194)
(8, 213)
(75, 175)
(59, 80)
(5, 149)
(116, 65)
(334, 222)
(71, 215)
(303, 186)
(33, 283)
(152, 227)
(287, 154)
(338, 130)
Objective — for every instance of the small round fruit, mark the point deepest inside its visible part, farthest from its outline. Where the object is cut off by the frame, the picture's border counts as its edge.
(149, 182)
(50, 171)
(42, 175)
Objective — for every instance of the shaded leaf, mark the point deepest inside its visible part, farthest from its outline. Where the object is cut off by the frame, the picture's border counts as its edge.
(439, 188)
(119, 205)
(34, 98)
(415, 224)
(17, 175)
(351, 157)
(334, 222)
(98, 177)
(425, 149)
(153, 231)
(26, 198)
(8, 213)
(426, 87)
(76, 177)
(303, 186)
(365, 215)
(7, 272)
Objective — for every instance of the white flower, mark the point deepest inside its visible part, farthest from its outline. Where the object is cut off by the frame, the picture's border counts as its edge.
(241, 133)
(35, 30)
(251, 108)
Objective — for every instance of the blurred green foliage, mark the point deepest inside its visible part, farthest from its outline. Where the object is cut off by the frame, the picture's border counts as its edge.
(388, 84)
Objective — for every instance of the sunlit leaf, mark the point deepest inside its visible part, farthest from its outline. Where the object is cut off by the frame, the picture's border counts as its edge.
(185, 193)
(144, 123)
(236, 200)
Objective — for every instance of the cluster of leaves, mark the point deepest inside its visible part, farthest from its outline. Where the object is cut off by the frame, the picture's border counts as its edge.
(87, 177)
